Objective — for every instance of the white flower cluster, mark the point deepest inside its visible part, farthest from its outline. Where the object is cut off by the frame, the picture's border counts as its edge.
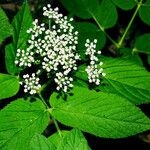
(53, 47)
(94, 70)
(24, 58)
(63, 81)
(31, 83)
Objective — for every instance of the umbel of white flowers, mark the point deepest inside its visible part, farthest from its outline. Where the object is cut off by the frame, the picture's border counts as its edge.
(54, 49)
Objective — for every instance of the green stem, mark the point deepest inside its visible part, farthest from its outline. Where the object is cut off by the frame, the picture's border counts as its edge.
(57, 127)
(43, 100)
(50, 112)
(55, 122)
(130, 23)
(102, 29)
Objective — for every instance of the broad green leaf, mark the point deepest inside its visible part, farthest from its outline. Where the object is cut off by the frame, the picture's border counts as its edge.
(102, 114)
(74, 140)
(89, 31)
(56, 139)
(144, 12)
(20, 121)
(39, 142)
(5, 27)
(10, 59)
(127, 78)
(142, 43)
(80, 8)
(9, 85)
(125, 4)
(21, 22)
(106, 14)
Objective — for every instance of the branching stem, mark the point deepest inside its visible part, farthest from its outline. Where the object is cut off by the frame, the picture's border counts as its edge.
(43, 100)
(57, 127)
(102, 29)
(129, 25)
(50, 112)
(55, 122)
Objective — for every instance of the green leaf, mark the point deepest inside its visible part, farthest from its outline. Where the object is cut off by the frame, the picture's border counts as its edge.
(9, 85)
(106, 14)
(74, 140)
(10, 59)
(127, 78)
(140, 47)
(5, 27)
(70, 140)
(89, 31)
(125, 4)
(102, 114)
(21, 22)
(39, 142)
(80, 8)
(144, 12)
(56, 139)
(20, 121)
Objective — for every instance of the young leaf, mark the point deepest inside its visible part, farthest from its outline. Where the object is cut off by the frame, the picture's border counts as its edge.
(125, 4)
(9, 85)
(144, 12)
(128, 79)
(89, 31)
(139, 46)
(20, 121)
(21, 22)
(80, 8)
(5, 27)
(102, 114)
(10, 59)
(39, 142)
(74, 140)
(106, 14)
